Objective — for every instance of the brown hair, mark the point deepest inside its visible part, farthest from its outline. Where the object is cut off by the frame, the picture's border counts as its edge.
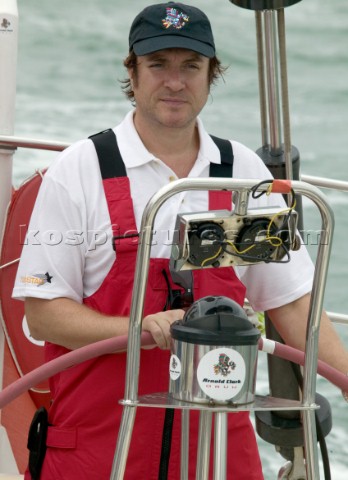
(216, 70)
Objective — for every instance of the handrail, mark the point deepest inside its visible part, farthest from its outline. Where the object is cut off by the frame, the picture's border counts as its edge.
(325, 182)
(22, 142)
(340, 318)
(14, 142)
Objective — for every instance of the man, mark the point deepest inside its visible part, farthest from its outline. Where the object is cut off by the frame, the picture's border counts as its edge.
(171, 66)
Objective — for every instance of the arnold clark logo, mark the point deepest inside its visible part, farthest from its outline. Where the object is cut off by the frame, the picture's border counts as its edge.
(221, 373)
(174, 367)
(224, 365)
(5, 25)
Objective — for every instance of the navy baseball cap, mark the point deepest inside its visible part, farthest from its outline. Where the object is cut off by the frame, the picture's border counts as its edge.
(171, 25)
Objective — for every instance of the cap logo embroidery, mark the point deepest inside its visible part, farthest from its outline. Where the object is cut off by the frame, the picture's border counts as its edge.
(175, 19)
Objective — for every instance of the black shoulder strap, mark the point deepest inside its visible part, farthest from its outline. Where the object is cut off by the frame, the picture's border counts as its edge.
(225, 168)
(109, 156)
(112, 165)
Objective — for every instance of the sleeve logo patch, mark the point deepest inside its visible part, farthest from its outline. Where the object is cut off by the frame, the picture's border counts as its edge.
(38, 279)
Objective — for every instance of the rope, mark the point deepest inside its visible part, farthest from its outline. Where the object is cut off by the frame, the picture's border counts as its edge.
(9, 263)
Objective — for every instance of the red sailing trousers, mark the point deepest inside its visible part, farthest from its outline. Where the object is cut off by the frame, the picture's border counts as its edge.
(85, 414)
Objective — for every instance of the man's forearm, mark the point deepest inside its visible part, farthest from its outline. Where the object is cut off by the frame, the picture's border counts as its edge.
(67, 323)
(290, 321)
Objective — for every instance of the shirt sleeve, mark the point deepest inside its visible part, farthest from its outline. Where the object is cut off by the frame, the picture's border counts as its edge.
(52, 260)
(271, 285)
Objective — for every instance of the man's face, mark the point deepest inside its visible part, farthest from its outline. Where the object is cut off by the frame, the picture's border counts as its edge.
(171, 87)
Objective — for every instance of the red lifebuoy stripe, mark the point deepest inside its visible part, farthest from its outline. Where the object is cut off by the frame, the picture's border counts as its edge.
(26, 355)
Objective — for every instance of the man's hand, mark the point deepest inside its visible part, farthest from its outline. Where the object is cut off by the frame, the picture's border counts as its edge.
(158, 324)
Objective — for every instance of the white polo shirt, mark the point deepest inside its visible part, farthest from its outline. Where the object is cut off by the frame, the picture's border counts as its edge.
(68, 250)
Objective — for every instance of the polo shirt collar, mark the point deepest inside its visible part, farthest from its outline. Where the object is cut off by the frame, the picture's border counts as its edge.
(135, 154)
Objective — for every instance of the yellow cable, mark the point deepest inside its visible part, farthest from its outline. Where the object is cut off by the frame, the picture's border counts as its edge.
(268, 237)
(243, 251)
(269, 189)
(287, 210)
(211, 258)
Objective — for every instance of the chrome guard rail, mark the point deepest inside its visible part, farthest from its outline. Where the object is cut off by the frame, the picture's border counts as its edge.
(138, 299)
(14, 142)
(326, 182)
(338, 318)
(9, 141)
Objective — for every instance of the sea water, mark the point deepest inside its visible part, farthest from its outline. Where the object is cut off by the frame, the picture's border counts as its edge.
(70, 65)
